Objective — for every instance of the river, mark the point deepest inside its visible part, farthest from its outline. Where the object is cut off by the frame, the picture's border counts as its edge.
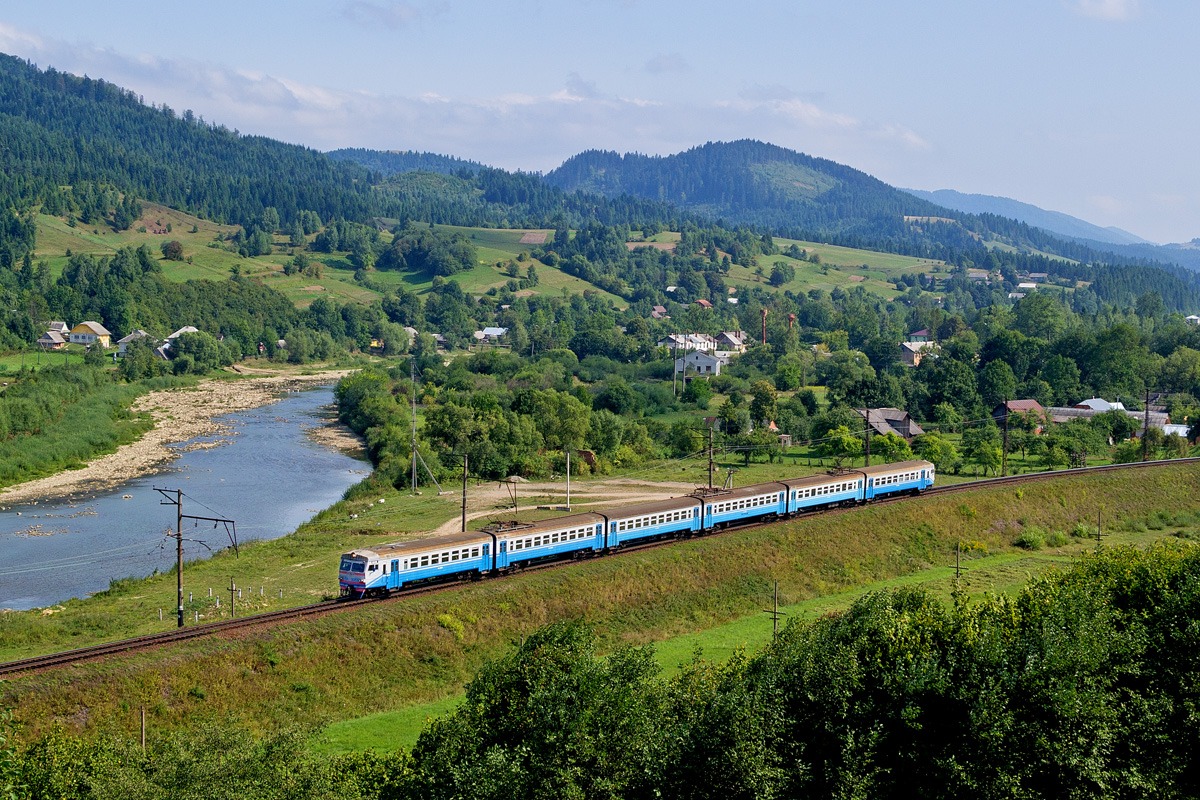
(269, 477)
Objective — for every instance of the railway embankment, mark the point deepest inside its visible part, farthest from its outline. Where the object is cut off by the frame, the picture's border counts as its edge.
(402, 652)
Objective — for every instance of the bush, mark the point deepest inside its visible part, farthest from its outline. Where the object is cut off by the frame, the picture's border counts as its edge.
(1032, 538)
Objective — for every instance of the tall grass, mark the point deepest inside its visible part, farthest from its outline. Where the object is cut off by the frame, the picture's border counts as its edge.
(92, 419)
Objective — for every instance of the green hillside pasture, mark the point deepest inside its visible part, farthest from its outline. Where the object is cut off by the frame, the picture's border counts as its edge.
(55, 237)
(395, 655)
(840, 267)
(37, 359)
(1005, 573)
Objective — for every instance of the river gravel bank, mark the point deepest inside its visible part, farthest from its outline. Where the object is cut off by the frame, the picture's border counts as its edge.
(179, 415)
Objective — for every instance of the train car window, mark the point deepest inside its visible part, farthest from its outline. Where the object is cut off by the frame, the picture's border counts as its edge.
(475, 552)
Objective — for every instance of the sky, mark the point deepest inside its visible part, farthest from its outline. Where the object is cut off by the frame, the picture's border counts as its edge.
(1088, 107)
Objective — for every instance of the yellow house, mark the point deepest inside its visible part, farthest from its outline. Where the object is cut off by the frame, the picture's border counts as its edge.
(88, 333)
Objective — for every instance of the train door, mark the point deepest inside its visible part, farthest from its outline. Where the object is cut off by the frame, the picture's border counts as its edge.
(394, 580)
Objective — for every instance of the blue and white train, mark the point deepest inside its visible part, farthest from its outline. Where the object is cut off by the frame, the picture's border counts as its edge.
(498, 549)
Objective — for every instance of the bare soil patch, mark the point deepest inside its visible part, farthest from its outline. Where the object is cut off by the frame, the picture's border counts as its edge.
(534, 237)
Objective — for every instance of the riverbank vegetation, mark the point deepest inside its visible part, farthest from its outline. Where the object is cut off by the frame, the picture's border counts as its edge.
(61, 417)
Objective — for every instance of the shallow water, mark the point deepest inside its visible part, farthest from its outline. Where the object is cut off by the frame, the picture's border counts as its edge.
(269, 478)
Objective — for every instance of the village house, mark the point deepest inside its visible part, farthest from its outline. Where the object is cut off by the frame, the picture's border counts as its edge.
(688, 341)
(51, 340)
(1096, 405)
(1030, 407)
(162, 350)
(59, 327)
(89, 332)
(659, 312)
(490, 335)
(704, 303)
(701, 363)
(124, 342)
(732, 341)
(891, 420)
(911, 353)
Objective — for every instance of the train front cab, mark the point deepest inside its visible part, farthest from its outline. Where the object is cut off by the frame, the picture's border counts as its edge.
(361, 573)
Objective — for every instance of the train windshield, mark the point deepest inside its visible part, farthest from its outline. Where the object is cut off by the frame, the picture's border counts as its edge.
(352, 566)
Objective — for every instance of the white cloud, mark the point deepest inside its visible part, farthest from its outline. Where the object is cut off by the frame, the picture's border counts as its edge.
(515, 130)
(1110, 10)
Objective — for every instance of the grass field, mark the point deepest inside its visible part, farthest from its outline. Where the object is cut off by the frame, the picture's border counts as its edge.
(208, 257)
(1003, 573)
(399, 657)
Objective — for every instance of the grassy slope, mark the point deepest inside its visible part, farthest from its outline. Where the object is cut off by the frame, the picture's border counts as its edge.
(840, 266)
(399, 655)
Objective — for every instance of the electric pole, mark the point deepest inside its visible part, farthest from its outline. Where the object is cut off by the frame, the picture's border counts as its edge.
(775, 613)
(867, 433)
(1004, 451)
(1146, 428)
(175, 498)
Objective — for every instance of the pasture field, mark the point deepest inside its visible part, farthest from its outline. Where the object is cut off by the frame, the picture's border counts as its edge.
(208, 257)
(400, 656)
(1001, 573)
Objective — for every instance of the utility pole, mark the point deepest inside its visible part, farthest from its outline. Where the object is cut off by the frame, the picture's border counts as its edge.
(1146, 428)
(710, 458)
(1004, 450)
(177, 501)
(412, 366)
(674, 366)
(464, 503)
(867, 433)
(775, 613)
(568, 480)
(232, 599)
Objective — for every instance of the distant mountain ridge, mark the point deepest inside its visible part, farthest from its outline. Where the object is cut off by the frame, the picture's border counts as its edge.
(1052, 221)
(748, 182)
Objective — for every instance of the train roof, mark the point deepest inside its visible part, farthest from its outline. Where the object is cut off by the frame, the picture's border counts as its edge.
(819, 480)
(899, 466)
(551, 524)
(423, 545)
(652, 507)
(753, 490)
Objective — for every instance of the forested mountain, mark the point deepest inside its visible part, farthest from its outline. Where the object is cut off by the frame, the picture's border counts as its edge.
(753, 183)
(394, 162)
(59, 130)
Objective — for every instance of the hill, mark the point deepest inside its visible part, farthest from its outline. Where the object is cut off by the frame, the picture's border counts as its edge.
(752, 183)
(1051, 221)
(393, 162)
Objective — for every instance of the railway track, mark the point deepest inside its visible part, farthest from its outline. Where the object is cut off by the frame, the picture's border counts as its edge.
(177, 635)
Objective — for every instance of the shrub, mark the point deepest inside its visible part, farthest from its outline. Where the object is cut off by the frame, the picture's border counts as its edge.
(1032, 538)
